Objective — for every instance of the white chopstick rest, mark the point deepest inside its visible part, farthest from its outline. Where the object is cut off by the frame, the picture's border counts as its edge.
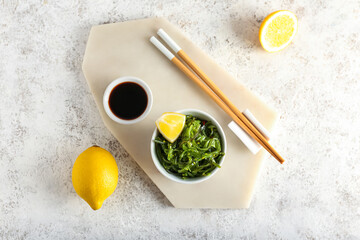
(169, 41)
(162, 48)
(257, 124)
(248, 141)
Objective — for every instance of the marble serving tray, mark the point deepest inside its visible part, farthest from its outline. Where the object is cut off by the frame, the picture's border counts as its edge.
(123, 49)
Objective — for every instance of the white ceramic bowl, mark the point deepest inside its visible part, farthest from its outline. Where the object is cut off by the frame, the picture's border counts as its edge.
(202, 115)
(118, 81)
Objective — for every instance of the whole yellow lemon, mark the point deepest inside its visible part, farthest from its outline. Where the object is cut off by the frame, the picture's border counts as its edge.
(95, 176)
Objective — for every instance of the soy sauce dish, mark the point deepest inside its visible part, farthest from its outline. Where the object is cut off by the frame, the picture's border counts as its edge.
(196, 155)
(127, 100)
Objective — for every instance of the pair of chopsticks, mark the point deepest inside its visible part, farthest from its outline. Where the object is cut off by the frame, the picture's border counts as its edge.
(205, 83)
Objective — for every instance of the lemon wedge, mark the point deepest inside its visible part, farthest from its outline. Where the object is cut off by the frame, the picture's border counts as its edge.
(170, 125)
(278, 30)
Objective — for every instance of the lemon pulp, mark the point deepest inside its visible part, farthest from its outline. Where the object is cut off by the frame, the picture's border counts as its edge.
(277, 30)
(170, 125)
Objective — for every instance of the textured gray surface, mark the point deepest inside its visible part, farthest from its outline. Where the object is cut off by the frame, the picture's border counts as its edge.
(48, 116)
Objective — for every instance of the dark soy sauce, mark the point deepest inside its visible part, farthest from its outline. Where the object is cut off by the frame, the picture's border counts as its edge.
(128, 100)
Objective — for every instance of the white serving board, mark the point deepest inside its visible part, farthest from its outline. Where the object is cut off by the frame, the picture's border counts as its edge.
(123, 49)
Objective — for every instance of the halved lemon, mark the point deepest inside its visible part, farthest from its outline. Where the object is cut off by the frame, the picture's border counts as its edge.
(278, 30)
(170, 125)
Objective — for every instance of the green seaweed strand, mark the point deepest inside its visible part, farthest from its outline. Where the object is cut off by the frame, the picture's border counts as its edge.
(197, 151)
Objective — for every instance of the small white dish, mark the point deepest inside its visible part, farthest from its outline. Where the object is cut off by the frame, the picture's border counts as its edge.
(115, 83)
(202, 115)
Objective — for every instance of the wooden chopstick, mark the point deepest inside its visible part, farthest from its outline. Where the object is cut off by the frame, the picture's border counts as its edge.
(211, 92)
(208, 81)
(221, 104)
(227, 101)
(215, 89)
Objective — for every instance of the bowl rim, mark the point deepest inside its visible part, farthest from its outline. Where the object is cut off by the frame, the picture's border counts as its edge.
(175, 178)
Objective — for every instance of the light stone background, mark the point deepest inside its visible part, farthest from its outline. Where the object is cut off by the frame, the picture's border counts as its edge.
(48, 117)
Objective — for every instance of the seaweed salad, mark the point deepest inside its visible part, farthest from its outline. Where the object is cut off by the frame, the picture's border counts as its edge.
(195, 153)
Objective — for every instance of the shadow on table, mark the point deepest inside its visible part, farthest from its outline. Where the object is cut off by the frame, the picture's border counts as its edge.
(247, 29)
